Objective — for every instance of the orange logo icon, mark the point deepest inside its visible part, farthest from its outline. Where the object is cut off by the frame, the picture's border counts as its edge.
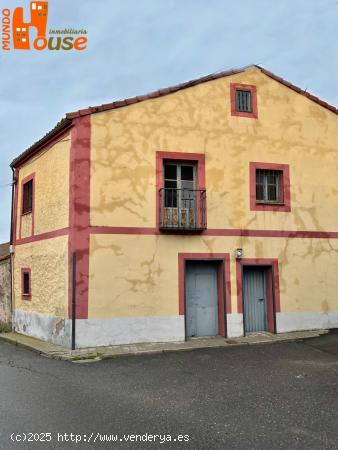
(20, 29)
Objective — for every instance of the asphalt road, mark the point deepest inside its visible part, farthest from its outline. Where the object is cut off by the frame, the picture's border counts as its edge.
(276, 396)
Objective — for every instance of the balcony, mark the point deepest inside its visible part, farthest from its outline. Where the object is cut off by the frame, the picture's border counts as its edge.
(182, 209)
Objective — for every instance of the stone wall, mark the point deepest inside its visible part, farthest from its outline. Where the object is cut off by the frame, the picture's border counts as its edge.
(5, 295)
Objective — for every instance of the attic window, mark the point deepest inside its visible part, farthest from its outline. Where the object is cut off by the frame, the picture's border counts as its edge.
(243, 100)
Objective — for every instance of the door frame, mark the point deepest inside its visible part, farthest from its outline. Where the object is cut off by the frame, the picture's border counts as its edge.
(272, 286)
(223, 285)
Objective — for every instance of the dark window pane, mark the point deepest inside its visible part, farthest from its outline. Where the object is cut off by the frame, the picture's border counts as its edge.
(272, 193)
(170, 184)
(26, 283)
(27, 203)
(272, 178)
(170, 172)
(170, 198)
(259, 177)
(259, 192)
(187, 173)
(243, 101)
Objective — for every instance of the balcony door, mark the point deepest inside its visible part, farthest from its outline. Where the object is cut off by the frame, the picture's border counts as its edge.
(180, 206)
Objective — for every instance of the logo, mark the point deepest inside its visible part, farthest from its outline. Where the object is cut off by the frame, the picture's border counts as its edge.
(16, 33)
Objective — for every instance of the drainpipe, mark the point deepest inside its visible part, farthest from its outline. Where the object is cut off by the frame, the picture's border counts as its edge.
(11, 248)
(73, 346)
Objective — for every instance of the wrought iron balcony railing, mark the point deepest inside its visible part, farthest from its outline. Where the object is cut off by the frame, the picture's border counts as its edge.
(182, 209)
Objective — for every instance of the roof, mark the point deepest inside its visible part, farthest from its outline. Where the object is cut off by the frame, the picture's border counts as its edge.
(66, 123)
(59, 128)
(4, 251)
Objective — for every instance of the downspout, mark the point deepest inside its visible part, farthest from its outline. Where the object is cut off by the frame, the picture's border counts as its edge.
(11, 248)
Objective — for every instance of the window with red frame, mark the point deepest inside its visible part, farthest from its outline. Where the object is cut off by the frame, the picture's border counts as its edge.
(243, 100)
(26, 282)
(269, 187)
(27, 200)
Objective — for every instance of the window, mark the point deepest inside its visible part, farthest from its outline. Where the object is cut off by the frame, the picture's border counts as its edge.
(269, 187)
(179, 184)
(26, 283)
(243, 100)
(27, 200)
(181, 195)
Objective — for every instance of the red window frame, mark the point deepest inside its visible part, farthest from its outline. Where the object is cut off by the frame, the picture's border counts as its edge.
(26, 295)
(27, 199)
(285, 204)
(246, 87)
(161, 157)
(32, 212)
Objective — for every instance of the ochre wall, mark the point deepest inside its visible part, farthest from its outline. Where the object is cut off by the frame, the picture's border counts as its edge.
(48, 261)
(137, 275)
(290, 129)
(51, 210)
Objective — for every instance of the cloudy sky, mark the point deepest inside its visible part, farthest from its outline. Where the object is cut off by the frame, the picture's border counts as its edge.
(136, 46)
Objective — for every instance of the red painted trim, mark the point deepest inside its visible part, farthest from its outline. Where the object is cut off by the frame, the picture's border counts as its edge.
(286, 196)
(79, 213)
(270, 300)
(16, 203)
(247, 87)
(198, 158)
(23, 295)
(24, 181)
(43, 236)
(221, 232)
(258, 262)
(223, 277)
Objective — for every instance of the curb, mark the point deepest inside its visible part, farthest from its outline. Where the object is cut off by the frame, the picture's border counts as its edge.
(99, 356)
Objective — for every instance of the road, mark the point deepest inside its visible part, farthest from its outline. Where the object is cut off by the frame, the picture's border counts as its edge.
(276, 396)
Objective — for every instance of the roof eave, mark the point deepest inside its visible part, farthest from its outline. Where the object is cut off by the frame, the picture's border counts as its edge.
(63, 126)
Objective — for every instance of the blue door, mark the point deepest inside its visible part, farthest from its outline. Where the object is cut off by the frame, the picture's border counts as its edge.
(254, 295)
(201, 299)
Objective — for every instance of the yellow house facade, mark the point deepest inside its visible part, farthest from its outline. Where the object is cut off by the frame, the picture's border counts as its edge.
(209, 208)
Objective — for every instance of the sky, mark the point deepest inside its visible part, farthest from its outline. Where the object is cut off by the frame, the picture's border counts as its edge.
(136, 46)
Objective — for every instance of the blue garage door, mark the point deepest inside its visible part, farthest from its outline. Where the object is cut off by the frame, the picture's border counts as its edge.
(254, 294)
(201, 299)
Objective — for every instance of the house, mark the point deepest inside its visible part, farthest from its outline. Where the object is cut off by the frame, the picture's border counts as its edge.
(5, 288)
(207, 208)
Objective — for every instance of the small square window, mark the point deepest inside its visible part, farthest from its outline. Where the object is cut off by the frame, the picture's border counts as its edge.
(27, 199)
(39, 7)
(26, 283)
(33, 5)
(269, 187)
(243, 100)
(24, 40)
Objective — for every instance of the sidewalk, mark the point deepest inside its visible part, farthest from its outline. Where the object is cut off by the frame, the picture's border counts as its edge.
(98, 353)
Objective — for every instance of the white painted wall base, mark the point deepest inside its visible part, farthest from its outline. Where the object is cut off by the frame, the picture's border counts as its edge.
(48, 328)
(235, 325)
(132, 330)
(297, 321)
(129, 330)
